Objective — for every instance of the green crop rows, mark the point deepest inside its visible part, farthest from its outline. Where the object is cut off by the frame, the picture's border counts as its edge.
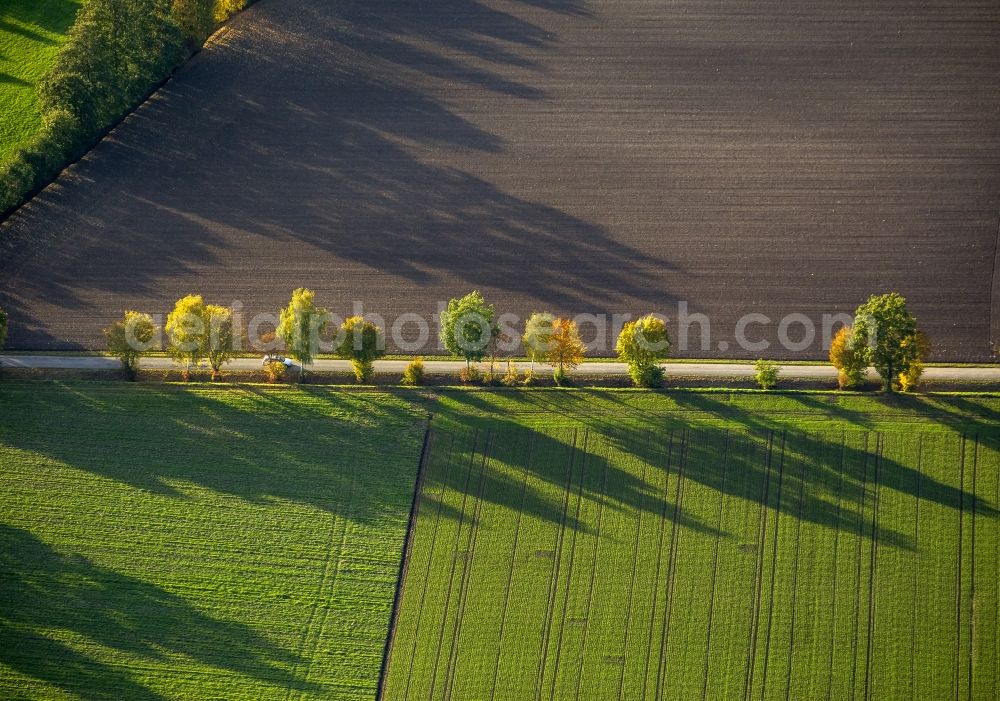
(210, 542)
(626, 546)
(199, 543)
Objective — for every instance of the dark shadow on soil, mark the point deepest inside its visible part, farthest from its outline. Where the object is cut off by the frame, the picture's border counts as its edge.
(350, 172)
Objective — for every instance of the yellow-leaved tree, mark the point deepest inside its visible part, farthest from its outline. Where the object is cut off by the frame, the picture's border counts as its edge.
(566, 350)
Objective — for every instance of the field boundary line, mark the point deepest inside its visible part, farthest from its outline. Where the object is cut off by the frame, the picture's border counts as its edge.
(758, 571)
(554, 585)
(996, 560)
(593, 569)
(958, 578)
(672, 565)
(463, 591)
(635, 567)
(659, 559)
(454, 559)
(513, 562)
(972, 565)
(404, 559)
(836, 553)
(916, 569)
(774, 566)
(572, 559)
(327, 582)
(873, 564)
(423, 591)
(795, 573)
(715, 565)
(859, 525)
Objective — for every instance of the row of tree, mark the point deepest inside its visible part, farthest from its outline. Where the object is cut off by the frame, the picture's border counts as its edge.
(469, 330)
(199, 332)
(884, 336)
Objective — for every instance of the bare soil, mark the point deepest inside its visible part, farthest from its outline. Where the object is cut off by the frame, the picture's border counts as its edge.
(582, 156)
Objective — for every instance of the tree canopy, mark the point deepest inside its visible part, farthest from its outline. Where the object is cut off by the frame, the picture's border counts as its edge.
(362, 343)
(467, 327)
(885, 337)
(641, 344)
(301, 324)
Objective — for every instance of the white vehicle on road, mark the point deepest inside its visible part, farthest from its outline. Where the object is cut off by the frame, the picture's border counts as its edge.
(272, 358)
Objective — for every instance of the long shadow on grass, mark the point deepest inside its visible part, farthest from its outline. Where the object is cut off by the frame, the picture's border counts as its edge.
(352, 454)
(826, 476)
(46, 595)
(53, 16)
(504, 463)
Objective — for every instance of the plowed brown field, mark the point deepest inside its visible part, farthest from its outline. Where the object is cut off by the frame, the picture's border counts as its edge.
(599, 156)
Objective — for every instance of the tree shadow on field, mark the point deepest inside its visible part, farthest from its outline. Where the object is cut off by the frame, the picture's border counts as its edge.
(12, 80)
(342, 152)
(826, 477)
(54, 16)
(44, 594)
(359, 460)
(528, 471)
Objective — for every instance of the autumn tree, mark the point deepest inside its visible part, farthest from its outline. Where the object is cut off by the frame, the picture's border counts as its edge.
(362, 344)
(186, 330)
(300, 326)
(566, 350)
(129, 339)
(220, 339)
(910, 378)
(641, 345)
(850, 365)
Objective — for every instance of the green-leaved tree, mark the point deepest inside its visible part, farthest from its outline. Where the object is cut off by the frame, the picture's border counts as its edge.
(363, 343)
(129, 339)
(196, 19)
(300, 326)
(220, 340)
(641, 345)
(467, 327)
(3, 328)
(885, 337)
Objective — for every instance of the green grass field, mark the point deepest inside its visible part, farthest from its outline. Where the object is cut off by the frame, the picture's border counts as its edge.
(31, 32)
(626, 545)
(199, 543)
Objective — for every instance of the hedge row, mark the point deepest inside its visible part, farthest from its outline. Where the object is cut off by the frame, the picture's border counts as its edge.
(116, 53)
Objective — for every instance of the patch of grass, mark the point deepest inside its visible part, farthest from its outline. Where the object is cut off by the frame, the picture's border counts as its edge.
(628, 544)
(180, 542)
(31, 32)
